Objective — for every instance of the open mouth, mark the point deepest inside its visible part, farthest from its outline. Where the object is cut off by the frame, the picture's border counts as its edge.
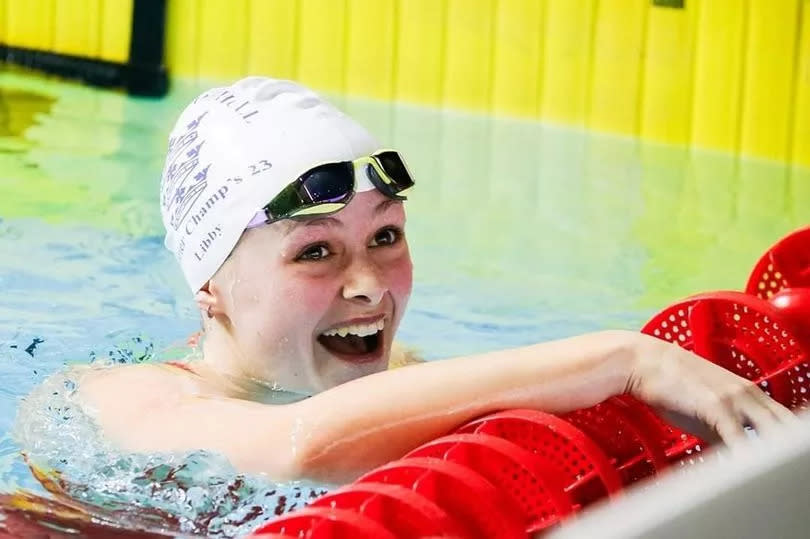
(356, 341)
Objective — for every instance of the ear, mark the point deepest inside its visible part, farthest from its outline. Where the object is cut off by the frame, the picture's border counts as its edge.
(208, 301)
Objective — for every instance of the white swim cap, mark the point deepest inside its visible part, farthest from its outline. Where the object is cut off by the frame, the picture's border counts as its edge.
(231, 151)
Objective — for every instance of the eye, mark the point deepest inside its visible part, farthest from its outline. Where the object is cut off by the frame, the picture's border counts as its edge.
(386, 236)
(315, 252)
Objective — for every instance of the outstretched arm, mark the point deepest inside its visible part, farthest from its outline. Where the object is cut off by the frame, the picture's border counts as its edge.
(342, 432)
(369, 421)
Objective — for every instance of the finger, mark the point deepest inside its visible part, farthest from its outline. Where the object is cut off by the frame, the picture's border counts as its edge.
(729, 426)
(758, 416)
(781, 412)
(783, 417)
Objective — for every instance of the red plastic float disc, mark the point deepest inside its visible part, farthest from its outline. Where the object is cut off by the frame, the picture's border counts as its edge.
(401, 510)
(677, 445)
(794, 305)
(326, 523)
(516, 472)
(742, 333)
(634, 452)
(583, 467)
(466, 496)
(785, 265)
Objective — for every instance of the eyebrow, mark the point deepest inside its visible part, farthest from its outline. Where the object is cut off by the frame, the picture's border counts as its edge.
(381, 208)
(385, 204)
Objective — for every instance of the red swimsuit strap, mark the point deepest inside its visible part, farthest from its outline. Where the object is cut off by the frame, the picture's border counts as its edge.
(179, 365)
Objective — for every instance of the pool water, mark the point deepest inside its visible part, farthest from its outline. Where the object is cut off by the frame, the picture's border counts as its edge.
(520, 232)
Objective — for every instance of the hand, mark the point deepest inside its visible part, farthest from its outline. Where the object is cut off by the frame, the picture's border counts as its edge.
(670, 377)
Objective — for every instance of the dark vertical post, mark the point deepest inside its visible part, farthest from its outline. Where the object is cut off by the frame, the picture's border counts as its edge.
(147, 73)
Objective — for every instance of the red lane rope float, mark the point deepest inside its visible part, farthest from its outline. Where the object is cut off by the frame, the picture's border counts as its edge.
(785, 265)
(584, 468)
(782, 276)
(464, 494)
(633, 451)
(794, 304)
(743, 334)
(401, 510)
(676, 444)
(517, 473)
(325, 523)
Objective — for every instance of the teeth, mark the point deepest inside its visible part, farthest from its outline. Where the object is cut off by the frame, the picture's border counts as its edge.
(361, 330)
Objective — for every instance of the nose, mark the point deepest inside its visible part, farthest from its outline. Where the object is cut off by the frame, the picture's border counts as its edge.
(364, 283)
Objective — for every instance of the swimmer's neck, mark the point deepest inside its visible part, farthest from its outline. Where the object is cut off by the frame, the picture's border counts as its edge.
(220, 367)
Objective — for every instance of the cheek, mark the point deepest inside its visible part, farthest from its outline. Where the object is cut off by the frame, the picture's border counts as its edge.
(307, 298)
(400, 279)
(278, 303)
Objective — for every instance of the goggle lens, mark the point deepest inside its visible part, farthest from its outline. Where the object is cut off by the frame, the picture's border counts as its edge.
(330, 185)
(328, 188)
(393, 165)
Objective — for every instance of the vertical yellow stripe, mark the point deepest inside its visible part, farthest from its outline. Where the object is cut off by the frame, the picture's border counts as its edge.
(516, 74)
(76, 28)
(618, 50)
(322, 44)
(566, 67)
(370, 48)
(718, 73)
(667, 96)
(272, 38)
(182, 37)
(29, 24)
(769, 69)
(223, 38)
(801, 118)
(115, 21)
(420, 50)
(3, 21)
(468, 76)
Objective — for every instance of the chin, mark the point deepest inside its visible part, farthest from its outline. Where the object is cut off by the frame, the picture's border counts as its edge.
(337, 370)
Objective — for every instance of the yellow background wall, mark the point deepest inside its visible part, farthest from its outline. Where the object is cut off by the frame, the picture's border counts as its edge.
(725, 74)
(93, 28)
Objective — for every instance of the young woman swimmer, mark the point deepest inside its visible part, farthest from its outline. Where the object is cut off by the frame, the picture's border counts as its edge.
(288, 221)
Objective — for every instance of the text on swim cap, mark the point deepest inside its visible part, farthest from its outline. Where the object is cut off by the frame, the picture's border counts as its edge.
(206, 242)
(196, 218)
(225, 97)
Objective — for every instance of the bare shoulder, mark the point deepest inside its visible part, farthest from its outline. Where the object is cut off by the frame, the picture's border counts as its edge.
(149, 408)
(121, 396)
(145, 381)
(402, 355)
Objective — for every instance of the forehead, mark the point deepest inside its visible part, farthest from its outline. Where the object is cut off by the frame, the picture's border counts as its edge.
(364, 208)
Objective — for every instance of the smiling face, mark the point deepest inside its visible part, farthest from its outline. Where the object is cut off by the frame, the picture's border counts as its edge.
(314, 303)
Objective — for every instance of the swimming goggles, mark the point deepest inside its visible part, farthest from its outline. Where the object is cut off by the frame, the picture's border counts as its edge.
(328, 188)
